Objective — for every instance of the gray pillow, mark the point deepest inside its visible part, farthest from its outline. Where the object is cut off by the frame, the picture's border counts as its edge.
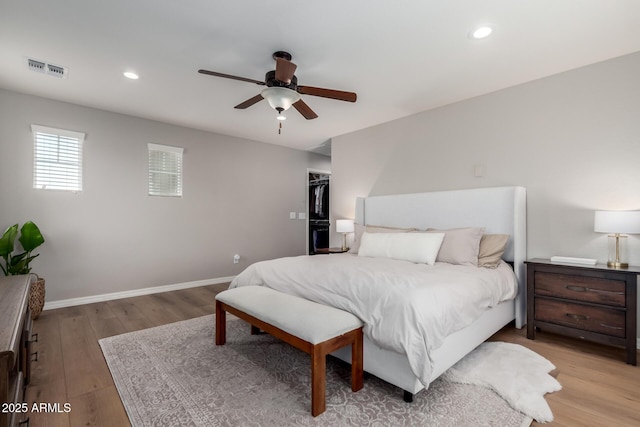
(460, 245)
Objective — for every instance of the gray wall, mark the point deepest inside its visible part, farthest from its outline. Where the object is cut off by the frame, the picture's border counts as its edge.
(572, 139)
(113, 237)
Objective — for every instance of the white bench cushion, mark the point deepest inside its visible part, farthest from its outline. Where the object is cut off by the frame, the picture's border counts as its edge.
(297, 316)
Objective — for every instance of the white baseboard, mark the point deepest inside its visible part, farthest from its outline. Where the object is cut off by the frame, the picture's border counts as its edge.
(133, 293)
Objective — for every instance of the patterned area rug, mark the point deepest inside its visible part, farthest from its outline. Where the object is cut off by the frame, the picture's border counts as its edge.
(175, 375)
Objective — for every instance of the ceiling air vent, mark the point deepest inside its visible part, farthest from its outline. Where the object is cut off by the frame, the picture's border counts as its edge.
(45, 68)
(54, 70)
(34, 65)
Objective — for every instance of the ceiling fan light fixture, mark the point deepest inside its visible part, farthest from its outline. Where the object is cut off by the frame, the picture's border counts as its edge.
(282, 89)
(280, 97)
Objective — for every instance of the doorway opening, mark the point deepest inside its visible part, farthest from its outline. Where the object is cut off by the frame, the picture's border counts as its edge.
(318, 212)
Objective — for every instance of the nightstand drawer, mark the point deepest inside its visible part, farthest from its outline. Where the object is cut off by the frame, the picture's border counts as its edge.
(585, 317)
(581, 288)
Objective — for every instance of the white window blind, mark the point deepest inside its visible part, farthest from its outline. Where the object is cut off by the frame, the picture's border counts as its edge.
(165, 170)
(57, 159)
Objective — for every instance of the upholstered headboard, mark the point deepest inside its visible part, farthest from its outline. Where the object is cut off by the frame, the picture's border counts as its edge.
(500, 210)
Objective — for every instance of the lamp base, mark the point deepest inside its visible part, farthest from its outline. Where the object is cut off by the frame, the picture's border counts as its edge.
(614, 264)
(617, 251)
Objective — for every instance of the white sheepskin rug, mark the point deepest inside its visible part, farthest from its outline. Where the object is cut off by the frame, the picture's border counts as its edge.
(520, 376)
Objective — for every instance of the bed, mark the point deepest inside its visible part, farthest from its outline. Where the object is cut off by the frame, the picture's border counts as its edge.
(412, 357)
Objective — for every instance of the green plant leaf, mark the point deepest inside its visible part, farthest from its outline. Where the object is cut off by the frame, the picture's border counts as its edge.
(7, 240)
(18, 264)
(15, 259)
(23, 267)
(30, 236)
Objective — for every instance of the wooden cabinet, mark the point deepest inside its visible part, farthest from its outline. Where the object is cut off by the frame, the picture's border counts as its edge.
(595, 303)
(15, 347)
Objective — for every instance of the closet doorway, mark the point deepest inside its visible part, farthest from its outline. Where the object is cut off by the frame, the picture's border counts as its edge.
(318, 212)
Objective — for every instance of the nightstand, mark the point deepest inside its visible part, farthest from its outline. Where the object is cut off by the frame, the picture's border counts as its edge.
(590, 302)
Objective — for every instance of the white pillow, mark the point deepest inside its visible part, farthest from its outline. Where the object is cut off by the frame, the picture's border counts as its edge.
(414, 247)
(373, 229)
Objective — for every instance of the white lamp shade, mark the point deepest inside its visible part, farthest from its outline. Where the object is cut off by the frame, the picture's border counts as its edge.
(626, 222)
(280, 97)
(344, 226)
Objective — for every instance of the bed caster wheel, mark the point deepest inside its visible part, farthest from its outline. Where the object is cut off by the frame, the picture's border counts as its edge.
(408, 397)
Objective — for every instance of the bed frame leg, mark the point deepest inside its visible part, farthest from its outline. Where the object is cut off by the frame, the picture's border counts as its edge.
(408, 397)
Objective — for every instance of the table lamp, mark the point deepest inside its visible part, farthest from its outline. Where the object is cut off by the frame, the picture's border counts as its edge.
(344, 226)
(617, 223)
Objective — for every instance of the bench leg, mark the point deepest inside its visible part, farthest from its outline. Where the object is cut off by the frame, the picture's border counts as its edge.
(221, 324)
(318, 381)
(255, 330)
(357, 364)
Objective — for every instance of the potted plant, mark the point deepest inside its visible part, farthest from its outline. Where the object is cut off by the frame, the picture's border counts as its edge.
(30, 238)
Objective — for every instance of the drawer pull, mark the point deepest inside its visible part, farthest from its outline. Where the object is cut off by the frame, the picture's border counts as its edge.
(34, 354)
(577, 316)
(24, 422)
(585, 289)
(604, 325)
(34, 337)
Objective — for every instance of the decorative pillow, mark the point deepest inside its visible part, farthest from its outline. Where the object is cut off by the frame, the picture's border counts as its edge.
(414, 247)
(492, 247)
(460, 245)
(359, 229)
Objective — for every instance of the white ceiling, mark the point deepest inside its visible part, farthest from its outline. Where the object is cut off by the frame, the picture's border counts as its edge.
(401, 57)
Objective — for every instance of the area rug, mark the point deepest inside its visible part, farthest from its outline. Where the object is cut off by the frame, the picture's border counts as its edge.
(175, 375)
(523, 384)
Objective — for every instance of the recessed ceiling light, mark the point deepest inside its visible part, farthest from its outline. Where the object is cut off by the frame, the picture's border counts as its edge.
(481, 32)
(131, 75)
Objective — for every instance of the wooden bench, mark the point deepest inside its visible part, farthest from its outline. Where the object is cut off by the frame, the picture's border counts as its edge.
(311, 327)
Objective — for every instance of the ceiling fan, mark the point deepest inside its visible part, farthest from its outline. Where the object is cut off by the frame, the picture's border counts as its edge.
(282, 90)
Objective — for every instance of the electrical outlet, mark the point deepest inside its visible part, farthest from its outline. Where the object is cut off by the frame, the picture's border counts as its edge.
(236, 258)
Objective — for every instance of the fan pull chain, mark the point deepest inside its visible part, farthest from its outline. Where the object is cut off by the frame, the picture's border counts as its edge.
(280, 118)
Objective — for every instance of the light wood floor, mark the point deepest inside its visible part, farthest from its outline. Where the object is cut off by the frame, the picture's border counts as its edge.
(599, 389)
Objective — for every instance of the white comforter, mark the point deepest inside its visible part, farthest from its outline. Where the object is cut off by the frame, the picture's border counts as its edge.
(409, 308)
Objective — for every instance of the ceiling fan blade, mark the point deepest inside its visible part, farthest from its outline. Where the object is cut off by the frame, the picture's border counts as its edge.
(305, 110)
(328, 93)
(229, 76)
(285, 70)
(249, 102)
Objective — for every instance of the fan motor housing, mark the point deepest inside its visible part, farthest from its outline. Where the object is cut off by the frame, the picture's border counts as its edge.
(271, 81)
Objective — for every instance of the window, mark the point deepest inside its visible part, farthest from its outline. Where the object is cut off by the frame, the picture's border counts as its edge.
(57, 159)
(165, 170)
